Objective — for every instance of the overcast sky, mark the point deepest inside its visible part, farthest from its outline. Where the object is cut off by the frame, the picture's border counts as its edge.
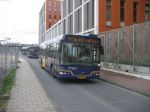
(19, 20)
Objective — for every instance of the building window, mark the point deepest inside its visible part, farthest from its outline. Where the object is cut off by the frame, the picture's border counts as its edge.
(71, 24)
(78, 21)
(64, 8)
(55, 11)
(108, 9)
(64, 27)
(147, 12)
(69, 8)
(49, 25)
(135, 11)
(78, 3)
(55, 4)
(87, 16)
(122, 10)
(92, 10)
(49, 6)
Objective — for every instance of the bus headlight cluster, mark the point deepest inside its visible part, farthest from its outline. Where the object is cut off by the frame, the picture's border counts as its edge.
(96, 73)
(64, 73)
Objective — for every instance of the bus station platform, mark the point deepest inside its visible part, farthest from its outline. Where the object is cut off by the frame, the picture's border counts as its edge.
(127, 81)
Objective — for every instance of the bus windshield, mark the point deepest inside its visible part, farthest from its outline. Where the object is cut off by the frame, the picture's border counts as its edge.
(74, 53)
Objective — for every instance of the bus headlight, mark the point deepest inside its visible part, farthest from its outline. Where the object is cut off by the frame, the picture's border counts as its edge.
(96, 73)
(64, 73)
(61, 73)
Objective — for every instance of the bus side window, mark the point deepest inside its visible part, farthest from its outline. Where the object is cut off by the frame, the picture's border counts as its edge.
(60, 48)
(94, 54)
(102, 50)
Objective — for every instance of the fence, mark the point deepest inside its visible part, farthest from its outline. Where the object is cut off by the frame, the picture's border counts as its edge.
(128, 48)
(9, 55)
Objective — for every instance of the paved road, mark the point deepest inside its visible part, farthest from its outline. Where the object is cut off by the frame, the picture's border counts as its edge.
(90, 95)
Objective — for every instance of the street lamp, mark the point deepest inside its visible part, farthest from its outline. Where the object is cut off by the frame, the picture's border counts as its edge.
(2, 42)
(7, 41)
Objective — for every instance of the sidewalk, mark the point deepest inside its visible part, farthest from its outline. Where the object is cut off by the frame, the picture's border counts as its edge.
(130, 82)
(27, 95)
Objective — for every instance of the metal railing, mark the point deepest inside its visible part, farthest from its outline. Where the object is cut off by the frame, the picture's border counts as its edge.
(9, 55)
(127, 49)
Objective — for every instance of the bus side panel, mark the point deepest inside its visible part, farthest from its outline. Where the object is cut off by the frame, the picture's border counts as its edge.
(50, 64)
(43, 62)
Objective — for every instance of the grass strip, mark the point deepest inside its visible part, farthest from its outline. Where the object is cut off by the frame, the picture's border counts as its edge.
(6, 88)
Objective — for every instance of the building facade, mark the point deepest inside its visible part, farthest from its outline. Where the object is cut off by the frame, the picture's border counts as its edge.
(79, 16)
(52, 12)
(121, 13)
(95, 16)
(42, 25)
(48, 16)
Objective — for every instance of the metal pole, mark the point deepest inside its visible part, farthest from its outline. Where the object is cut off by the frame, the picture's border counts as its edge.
(133, 48)
(2, 50)
(105, 47)
(1, 56)
(118, 47)
(5, 63)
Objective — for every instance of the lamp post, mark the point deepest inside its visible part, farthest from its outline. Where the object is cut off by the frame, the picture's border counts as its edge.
(1, 42)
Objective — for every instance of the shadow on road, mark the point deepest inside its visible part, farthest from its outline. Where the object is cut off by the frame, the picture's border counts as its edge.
(76, 81)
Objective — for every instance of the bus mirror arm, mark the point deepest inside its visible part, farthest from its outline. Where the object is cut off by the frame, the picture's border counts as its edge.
(102, 50)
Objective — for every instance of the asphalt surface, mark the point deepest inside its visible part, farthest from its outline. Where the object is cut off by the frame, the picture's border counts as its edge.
(89, 95)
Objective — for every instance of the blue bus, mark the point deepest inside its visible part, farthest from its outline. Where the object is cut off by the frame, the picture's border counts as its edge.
(72, 56)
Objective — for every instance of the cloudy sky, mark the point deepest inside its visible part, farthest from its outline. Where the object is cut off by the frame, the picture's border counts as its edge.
(19, 20)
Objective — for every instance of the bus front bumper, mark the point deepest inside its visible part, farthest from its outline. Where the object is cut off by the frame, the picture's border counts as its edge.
(82, 77)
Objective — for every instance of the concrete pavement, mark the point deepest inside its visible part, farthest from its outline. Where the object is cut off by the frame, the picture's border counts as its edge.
(27, 95)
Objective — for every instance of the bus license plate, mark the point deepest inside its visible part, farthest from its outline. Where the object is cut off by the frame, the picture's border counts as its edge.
(82, 77)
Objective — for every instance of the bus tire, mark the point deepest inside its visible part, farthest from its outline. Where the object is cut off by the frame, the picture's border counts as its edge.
(54, 76)
(52, 72)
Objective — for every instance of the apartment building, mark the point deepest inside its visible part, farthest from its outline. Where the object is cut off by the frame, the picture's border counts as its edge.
(121, 13)
(95, 16)
(52, 12)
(48, 16)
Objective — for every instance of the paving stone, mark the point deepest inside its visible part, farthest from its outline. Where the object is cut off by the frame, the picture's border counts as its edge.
(27, 94)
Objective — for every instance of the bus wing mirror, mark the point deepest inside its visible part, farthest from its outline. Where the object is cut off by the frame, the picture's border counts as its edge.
(102, 50)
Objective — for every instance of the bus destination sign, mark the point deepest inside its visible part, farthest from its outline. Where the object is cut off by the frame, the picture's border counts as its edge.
(83, 40)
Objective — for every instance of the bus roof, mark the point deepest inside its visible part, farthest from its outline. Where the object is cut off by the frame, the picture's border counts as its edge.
(56, 39)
